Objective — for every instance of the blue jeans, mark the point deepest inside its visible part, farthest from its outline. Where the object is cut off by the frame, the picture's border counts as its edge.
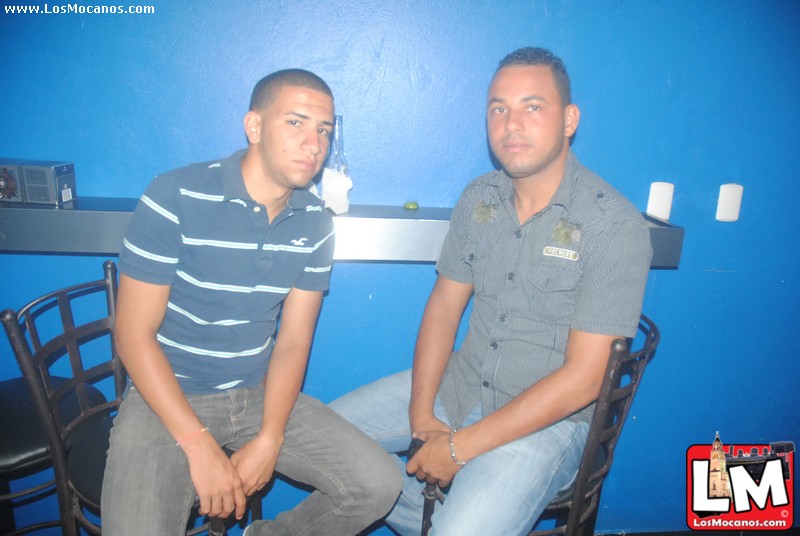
(148, 490)
(500, 492)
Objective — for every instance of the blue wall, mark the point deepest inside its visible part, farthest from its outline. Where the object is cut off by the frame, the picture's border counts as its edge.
(697, 93)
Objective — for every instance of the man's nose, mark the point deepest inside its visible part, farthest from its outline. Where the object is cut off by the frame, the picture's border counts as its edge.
(313, 142)
(513, 122)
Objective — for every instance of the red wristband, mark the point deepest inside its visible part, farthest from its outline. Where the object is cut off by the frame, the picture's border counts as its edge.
(190, 436)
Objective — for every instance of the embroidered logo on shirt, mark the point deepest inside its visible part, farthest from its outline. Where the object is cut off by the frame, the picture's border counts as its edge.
(485, 212)
(551, 251)
(299, 242)
(566, 232)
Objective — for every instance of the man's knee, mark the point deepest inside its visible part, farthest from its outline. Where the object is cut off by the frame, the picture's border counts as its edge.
(380, 488)
(392, 485)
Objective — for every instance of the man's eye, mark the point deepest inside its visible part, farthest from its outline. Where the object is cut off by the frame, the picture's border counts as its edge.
(535, 108)
(293, 122)
(324, 132)
(498, 110)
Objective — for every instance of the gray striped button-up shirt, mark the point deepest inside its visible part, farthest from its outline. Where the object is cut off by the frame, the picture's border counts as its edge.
(581, 263)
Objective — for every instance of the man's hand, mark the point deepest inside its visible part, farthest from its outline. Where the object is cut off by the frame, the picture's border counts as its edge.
(425, 421)
(255, 463)
(432, 462)
(215, 479)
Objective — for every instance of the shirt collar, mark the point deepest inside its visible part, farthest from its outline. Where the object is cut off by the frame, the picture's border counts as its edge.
(564, 192)
(232, 179)
(233, 185)
(566, 189)
(303, 199)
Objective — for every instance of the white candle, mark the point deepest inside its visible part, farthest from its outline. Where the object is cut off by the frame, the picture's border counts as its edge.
(659, 204)
(730, 202)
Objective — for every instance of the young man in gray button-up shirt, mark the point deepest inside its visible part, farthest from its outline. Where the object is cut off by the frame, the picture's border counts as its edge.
(556, 261)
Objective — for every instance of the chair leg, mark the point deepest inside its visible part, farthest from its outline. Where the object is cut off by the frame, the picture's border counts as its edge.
(255, 507)
(71, 519)
(216, 526)
(7, 524)
(588, 527)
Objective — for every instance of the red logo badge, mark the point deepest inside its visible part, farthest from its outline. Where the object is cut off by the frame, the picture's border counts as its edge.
(740, 487)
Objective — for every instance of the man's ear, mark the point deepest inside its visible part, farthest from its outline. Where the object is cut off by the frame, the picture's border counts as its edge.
(252, 127)
(572, 116)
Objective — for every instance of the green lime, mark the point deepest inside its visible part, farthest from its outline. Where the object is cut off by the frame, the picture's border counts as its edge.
(411, 205)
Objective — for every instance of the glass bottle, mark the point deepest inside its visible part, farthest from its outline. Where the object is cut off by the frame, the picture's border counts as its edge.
(336, 160)
(336, 182)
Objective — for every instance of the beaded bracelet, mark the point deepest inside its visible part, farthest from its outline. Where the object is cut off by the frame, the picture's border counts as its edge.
(453, 450)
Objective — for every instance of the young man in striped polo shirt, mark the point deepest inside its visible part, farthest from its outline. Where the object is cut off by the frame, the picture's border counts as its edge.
(555, 261)
(215, 253)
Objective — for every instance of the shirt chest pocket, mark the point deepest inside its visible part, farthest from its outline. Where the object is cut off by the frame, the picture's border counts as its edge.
(553, 289)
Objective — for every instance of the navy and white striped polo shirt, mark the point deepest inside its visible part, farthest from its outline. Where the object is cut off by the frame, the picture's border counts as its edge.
(581, 263)
(198, 230)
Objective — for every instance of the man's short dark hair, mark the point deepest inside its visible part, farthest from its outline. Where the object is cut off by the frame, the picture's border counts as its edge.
(267, 88)
(542, 56)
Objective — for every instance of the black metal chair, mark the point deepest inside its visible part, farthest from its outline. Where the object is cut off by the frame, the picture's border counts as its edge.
(575, 509)
(69, 333)
(23, 453)
(76, 415)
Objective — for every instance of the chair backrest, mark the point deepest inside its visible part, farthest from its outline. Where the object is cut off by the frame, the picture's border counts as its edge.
(63, 342)
(623, 373)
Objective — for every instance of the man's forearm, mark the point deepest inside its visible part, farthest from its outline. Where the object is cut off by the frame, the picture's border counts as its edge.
(437, 334)
(156, 382)
(432, 353)
(568, 389)
(289, 360)
(283, 382)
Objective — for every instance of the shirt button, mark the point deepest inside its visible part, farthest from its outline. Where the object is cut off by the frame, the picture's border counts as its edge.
(493, 346)
(503, 317)
(471, 256)
(518, 233)
(256, 209)
(486, 384)
(510, 276)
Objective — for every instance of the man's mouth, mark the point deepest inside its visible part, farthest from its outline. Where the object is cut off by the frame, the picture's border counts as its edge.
(515, 146)
(308, 165)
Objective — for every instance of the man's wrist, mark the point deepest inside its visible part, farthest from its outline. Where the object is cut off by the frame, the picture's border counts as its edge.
(453, 455)
(190, 436)
(269, 437)
(420, 418)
